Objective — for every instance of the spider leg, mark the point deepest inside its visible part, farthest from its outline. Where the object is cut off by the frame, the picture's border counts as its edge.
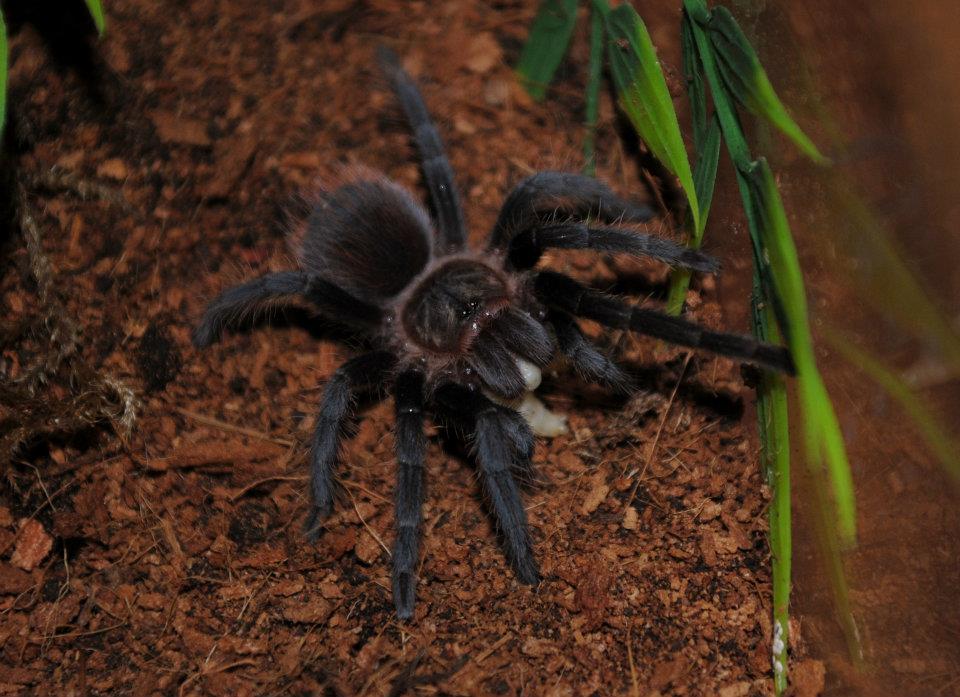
(543, 193)
(496, 367)
(565, 294)
(437, 172)
(410, 446)
(339, 398)
(524, 336)
(527, 246)
(586, 359)
(239, 302)
(496, 438)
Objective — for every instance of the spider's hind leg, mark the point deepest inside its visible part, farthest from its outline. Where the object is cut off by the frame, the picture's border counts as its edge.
(339, 398)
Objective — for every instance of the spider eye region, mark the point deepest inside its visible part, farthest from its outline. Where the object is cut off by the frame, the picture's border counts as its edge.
(453, 304)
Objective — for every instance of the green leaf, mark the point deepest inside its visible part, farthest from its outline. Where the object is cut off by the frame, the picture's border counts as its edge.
(643, 95)
(594, 73)
(706, 128)
(99, 18)
(693, 75)
(823, 440)
(706, 140)
(746, 79)
(773, 426)
(549, 36)
(4, 50)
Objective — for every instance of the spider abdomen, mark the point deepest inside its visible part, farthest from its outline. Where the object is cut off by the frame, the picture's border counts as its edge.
(369, 237)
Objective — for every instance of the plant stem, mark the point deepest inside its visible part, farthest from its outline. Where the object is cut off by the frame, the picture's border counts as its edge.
(594, 69)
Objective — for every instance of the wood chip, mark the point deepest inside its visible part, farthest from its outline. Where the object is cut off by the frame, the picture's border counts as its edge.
(174, 128)
(598, 492)
(32, 545)
(312, 611)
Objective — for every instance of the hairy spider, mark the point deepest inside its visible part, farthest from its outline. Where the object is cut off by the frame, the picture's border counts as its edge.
(460, 331)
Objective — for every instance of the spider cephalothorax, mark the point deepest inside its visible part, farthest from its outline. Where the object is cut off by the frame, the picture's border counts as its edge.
(459, 332)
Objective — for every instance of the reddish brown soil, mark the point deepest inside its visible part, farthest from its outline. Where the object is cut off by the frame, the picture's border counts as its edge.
(176, 562)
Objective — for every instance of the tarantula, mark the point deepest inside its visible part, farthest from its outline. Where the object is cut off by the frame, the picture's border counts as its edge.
(460, 331)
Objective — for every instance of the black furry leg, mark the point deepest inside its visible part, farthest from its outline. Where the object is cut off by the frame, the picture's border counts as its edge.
(239, 302)
(410, 447)
(565, 294)
(527, 246)
(524, 336)
(497, 440)
(437, 172)
(496, 367)
(339, 397)
(546, 193)
(585, 358)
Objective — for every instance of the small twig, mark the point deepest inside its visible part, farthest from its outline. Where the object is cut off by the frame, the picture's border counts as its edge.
(635, 691)
(92, 632)
(224, 426)
(483, 655)
(367, 526)
(276, 478)
(656, 439)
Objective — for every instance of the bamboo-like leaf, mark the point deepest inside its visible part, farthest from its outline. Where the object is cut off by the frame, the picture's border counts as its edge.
(809, 385)
(824, 442)
(643, 95)
(594, 73)
(773, 426)
(706, 128)
(549, 36)
(4, 50)
(99, 18)
(705, 171)
(706, 140)
(693, 74)
(746, 79)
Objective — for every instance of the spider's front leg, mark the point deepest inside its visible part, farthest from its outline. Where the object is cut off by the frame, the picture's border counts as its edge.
(562, 293)
(502, 442)
(339, 398)
(544, 194)
(532, 220)
(410, 448)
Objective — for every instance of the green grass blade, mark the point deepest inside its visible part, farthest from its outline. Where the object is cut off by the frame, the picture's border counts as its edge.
(549, 36)
(594, 72)
(706, 128)
(705, 171)
(773, 426)
(693, 76)
(99, 18)
(824, 442)
(4, 51)
(929, 426)
(706, 140)
(643, 95)
(796, 329)
(746, 79)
